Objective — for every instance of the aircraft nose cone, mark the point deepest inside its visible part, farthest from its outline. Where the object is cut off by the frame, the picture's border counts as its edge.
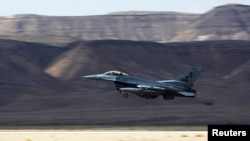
(91, 76)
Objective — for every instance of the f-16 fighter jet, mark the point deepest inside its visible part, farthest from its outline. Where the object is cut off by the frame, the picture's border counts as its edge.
(126, 84)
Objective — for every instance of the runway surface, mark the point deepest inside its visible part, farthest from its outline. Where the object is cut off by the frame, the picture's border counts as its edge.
(101, 135)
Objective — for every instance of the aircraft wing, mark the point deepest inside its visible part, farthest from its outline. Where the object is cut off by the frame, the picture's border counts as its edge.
(147, 88)
(154, 91)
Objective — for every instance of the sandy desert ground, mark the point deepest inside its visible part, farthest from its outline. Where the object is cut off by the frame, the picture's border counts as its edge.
(101, 135)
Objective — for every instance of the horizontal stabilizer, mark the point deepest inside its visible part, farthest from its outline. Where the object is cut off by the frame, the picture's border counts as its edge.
(187, 94)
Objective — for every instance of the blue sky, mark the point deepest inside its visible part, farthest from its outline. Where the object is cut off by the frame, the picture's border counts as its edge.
(100, 7)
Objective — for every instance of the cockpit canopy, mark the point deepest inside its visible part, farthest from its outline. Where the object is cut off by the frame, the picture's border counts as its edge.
(115, 73)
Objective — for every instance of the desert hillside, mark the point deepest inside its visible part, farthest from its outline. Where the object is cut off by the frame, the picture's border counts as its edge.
(42, 84)
(226, 22)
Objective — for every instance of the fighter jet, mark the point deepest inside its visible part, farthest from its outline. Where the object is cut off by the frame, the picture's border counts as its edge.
(126, 84)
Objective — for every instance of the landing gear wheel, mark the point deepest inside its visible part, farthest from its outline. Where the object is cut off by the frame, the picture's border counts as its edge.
(141, 95)
(125, 95)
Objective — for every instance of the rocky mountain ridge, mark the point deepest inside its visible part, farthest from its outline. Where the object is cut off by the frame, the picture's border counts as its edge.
(221, 23)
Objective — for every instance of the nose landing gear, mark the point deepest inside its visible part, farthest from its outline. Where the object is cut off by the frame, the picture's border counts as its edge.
(125, 95)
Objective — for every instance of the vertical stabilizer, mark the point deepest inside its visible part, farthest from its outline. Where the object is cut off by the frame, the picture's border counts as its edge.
(191, 75)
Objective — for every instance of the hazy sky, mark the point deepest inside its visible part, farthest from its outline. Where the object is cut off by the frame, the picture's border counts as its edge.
(99, 7)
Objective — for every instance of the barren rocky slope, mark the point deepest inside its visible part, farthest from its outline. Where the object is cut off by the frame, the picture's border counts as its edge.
(43, 84)
(221, 23)
(150, 27)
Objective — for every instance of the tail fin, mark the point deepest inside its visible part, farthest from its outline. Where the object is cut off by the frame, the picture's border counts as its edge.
(191, 75)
